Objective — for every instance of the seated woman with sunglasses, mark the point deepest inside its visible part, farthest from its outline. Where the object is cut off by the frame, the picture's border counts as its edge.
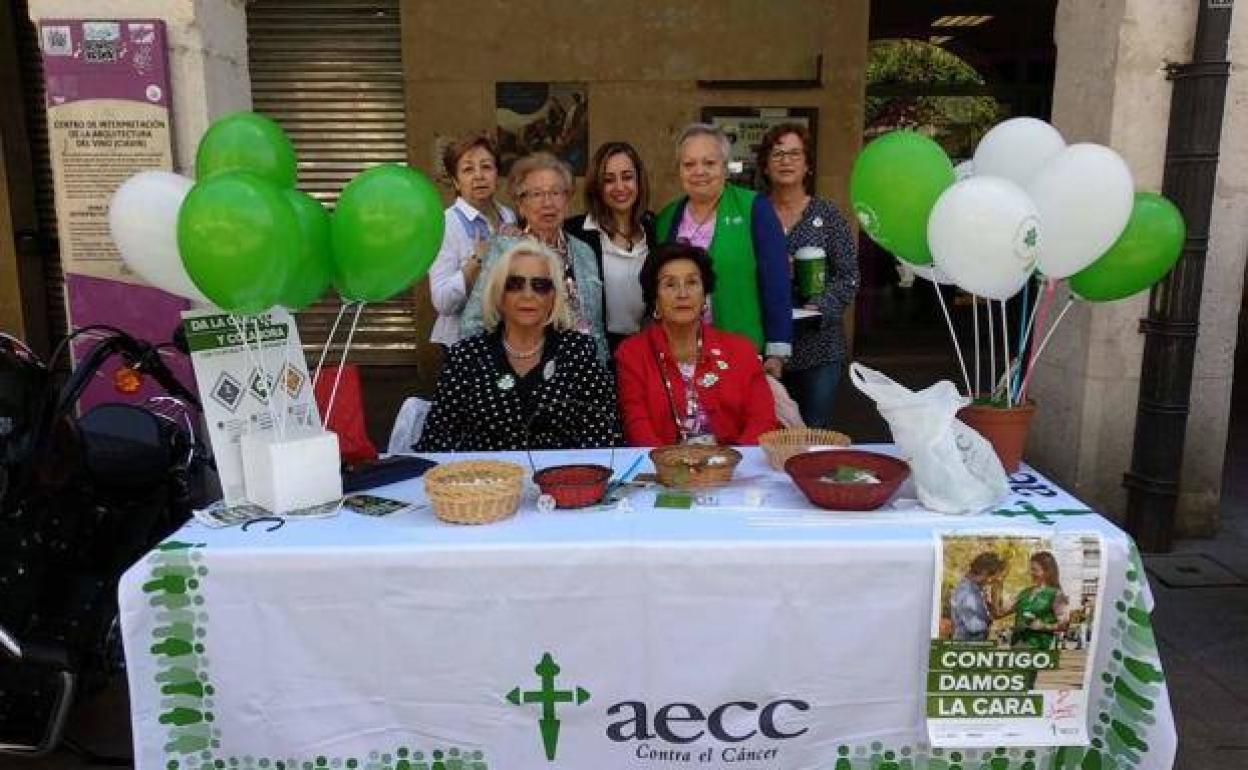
(681, 380)
(530, 381)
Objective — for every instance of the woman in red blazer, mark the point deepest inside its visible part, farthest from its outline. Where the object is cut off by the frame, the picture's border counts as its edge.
(681, 380)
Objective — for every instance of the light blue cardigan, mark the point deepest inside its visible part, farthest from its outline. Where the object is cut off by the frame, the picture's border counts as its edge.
(588, 288)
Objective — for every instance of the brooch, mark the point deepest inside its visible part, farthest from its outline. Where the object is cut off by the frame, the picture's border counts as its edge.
(708, 379)
(723, 365)
(817, 222)
(506, 382)
(548, 371)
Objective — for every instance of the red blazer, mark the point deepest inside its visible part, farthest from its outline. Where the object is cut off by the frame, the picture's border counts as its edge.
(730, 381)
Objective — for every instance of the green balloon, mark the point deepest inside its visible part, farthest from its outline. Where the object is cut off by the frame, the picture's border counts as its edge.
(246, 141)
(1149, 246)
(314, 269)
(386, 231)
(894, 185)
(239, 239)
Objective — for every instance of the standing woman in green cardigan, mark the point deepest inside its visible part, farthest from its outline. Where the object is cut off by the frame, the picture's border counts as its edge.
(740, 230)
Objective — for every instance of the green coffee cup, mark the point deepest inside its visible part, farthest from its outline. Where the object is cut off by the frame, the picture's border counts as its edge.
(809, 268)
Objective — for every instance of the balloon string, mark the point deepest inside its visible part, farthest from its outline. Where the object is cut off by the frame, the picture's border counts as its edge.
(1022, 346)
(1022, 330)
(276, 389)
(975, 323)
(251, 356)
(328, 342)
(342, 364)
(952, 335)
(992, 351)
(1046, 304)
(1005, 350)
(1043, 344)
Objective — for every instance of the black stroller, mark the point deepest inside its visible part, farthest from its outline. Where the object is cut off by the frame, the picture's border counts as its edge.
(81, 499)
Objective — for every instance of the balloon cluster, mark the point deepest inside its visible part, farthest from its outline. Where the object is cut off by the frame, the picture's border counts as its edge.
(1027, 202)
(241, 237)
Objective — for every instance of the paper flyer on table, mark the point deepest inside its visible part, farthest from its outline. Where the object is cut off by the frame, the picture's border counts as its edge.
(1011, 651)
(234, 379)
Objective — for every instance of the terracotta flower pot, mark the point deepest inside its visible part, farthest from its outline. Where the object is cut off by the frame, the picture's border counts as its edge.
(1006, 429)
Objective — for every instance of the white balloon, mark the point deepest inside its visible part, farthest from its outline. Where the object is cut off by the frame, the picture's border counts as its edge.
(931, 273)
(964, 170)
(983, 233)
(1017, 149)
(1084, 196)
(143, 220)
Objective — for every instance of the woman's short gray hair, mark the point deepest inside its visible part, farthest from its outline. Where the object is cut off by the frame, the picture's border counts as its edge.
(704, 129)
(492, 297)
(532, 163)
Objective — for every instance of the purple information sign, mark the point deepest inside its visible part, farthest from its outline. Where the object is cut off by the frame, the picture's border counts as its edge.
(108, 103)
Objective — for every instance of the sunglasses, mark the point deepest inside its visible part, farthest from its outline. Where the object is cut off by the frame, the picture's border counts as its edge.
(515, 283)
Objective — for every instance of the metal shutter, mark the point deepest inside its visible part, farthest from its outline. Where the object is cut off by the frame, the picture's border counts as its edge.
(331, 73)
(30, 62)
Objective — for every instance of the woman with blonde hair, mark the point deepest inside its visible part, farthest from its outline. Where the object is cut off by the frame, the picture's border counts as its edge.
(529, 380)
(541, 185)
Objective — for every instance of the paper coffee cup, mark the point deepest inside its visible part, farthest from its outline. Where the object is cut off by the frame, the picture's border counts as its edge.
(809, 268)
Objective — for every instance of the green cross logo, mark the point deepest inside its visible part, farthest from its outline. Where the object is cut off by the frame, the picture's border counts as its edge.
(1041, 516)
(548, 696)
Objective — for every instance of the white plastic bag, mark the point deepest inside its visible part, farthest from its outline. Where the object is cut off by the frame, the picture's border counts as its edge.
(408, 425)
(787, 412)
(955, 468)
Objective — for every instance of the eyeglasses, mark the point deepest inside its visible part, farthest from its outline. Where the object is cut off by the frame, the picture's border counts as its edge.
(796, 153)
(539, 285)
(542, 196)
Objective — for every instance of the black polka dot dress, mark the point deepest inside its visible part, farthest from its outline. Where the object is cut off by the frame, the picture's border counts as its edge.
(567, 401)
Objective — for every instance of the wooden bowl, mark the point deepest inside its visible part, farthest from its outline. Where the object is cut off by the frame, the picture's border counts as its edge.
(809, 470)
(573, 486)
(694, 466)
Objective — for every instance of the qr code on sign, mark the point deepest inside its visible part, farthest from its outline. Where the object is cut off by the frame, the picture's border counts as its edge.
(57, 42)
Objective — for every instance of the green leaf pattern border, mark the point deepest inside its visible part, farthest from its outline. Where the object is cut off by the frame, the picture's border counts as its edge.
(186, 704)
(1126, 696)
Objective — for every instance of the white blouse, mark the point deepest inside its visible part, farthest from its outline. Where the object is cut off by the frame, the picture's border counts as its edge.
(464, 227)
(621, 280)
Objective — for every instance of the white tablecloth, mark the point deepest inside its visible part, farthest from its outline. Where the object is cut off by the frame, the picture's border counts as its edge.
(777, 636)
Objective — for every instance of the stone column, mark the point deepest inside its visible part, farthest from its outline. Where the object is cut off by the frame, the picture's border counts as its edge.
(207, 57)
(1111, 88)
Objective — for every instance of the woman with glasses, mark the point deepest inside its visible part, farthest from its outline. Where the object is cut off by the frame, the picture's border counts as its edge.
(541, 184)
(474, 218)
(739, 229)
(811, 225)
(680, 379)
(529, 381)
(619, 227)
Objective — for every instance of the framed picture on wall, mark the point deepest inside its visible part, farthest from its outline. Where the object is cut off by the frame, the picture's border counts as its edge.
(543, 116)
(745, 127)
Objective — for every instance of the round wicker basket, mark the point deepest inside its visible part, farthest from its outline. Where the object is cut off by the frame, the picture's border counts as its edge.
(780, 445)
(694, 466)
(475, 491)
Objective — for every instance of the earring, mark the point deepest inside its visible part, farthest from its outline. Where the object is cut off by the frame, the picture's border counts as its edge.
(655, 313)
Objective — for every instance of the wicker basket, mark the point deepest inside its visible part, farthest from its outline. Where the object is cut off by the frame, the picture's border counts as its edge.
(782, 444)
(475, 491)
(694, 466)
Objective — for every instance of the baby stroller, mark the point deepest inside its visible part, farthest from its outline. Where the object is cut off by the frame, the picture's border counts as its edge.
(81, 499)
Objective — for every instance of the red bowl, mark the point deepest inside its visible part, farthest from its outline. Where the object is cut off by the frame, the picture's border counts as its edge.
(573, 486)
(808, 468)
